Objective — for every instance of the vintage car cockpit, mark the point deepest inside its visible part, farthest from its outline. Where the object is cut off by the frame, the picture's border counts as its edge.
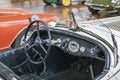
(60, 52)
(57, 54)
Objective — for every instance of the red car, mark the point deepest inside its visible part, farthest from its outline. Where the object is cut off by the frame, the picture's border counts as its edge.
(13, 22)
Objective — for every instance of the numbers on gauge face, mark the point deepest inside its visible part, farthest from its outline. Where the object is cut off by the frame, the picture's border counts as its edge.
(73, 46)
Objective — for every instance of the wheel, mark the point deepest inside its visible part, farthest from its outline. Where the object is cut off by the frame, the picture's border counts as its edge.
(36, 43)
(63, 2)
(6, 73)
(47, 2)
(93, 11)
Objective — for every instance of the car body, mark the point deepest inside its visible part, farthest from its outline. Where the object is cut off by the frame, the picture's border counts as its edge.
(60, 52)
(109, 5)
(13, 22)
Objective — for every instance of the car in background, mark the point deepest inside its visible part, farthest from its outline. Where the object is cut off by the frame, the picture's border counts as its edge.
(13, 23)
(108, 5)
(61, 2)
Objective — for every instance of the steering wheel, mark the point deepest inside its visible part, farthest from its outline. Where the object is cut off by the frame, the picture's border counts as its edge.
(37, 49)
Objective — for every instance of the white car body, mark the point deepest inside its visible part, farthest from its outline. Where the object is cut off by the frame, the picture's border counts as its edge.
(99, 27)
(114, 72)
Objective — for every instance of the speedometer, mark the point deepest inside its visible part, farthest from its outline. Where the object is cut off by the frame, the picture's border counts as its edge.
(73, 46)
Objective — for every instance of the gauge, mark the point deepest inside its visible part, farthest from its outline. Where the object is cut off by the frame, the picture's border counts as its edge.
(91, 49)
(82, 49)
(73, 46)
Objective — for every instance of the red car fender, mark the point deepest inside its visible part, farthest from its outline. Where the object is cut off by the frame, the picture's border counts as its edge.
(9, 33)
(12, 26)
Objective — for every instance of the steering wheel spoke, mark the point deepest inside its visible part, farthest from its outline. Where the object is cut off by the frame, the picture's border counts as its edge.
(30, 46)
(43, 48)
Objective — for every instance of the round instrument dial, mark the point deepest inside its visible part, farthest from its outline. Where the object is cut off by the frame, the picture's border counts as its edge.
(73, 46)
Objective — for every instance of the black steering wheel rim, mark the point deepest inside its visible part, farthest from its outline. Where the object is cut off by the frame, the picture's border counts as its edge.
(48, 44)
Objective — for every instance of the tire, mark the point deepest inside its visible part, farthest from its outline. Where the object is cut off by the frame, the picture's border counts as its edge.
(18, 41)
(58, 3)
(47, 3)
(93, 11)
(6, 73)
(62, 3)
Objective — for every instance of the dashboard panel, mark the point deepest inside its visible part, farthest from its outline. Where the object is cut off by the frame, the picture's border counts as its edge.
(75, 45)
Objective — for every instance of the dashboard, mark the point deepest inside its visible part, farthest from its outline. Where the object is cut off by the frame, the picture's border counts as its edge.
(75, 45)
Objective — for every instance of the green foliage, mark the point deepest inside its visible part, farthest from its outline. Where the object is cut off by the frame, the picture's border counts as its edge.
(102, 2)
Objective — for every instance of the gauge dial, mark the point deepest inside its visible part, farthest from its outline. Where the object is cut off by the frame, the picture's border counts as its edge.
(73, 46)
(91, 49)
(82, 49)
